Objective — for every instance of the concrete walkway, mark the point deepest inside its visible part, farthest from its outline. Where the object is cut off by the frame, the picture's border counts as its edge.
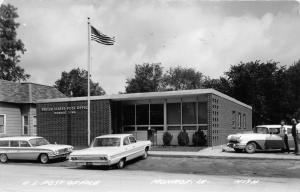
(223, 152)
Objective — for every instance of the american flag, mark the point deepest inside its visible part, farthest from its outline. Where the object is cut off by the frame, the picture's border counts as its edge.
(100, 37)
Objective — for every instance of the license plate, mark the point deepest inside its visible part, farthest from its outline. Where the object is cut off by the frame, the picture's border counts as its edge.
(89, 163)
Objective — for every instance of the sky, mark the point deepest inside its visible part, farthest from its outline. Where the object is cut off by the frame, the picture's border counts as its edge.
(208, 36)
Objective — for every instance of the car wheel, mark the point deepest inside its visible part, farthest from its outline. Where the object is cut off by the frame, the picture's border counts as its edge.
(121, 164)
(238, 150)
(145, 155)
(44, 158)
(3, 158)
(250, 147)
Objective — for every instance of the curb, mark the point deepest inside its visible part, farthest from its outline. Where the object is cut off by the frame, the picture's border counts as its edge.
(220, 157)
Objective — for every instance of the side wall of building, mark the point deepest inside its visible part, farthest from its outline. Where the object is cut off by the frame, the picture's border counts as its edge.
(66, 122)
(13, 120)
(224, 119)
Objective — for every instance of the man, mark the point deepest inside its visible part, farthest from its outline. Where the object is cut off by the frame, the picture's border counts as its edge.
(284, 132)
(294, 134)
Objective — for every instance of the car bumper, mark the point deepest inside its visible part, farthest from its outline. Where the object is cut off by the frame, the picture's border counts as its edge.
(66, 155)
(236, 145)
(90, 163)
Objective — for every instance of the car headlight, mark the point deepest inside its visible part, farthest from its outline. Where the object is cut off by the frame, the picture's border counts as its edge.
(56, 152)
(73, 158)
(239, 139)
(70, 149)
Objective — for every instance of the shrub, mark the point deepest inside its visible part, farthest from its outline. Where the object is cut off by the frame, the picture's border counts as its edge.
(199, 139)
(183, 138)
(167, 138)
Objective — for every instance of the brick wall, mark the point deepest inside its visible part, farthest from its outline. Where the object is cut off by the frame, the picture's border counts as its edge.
(221, 118)
(66, 122)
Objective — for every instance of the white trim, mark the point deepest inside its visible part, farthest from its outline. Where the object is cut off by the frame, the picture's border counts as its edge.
(149, 95)
(4, 129)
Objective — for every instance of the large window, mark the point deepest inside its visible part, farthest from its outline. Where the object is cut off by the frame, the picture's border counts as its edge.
(174, 113)
(129, 115)
(202, 113)
(189, 115)
(25, 125)
(142, 114)
(244, 121)
(156, 114)
(2, 124)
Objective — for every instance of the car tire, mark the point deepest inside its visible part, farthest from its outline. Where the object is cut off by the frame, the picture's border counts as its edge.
(145, 155)
(250, 147)
(3, 158)
(44, 158)
(121, 164)
(238, 150)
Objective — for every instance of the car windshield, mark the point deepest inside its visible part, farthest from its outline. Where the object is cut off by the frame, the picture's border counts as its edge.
(38, 142)
(107, 142)
(263, 130)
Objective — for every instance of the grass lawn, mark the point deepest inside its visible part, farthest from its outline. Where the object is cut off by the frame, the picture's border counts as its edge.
(176, 148)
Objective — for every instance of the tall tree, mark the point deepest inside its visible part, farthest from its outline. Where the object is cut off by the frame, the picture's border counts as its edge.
(260, 85)
(222, 84)
(180, 78)
(147, 78)
(10, 46)
(292, 89)
(74, 84)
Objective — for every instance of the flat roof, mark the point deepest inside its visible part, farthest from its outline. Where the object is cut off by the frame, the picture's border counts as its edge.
(148, 95)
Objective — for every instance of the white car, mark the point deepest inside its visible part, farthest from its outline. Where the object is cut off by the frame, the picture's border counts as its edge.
(31, 148)
(111, 149)
(263, 137)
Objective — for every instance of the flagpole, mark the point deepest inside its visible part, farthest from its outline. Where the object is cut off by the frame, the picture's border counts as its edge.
(88, 97)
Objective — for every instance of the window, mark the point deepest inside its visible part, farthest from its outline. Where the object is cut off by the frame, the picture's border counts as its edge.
(174, 113)
(2, 124)
(34, 125)
(132, 139)
(233, 119)
(239, 120)
(14, 143)
(4, 143)
(156, 114)
(202, 113)
(244, 121)
(189, 113)
(25, 125)
(129, 115)
(173, 128)
(128, 128)
(107, 142)
(142, 114)
(126, 141)
(24, 144)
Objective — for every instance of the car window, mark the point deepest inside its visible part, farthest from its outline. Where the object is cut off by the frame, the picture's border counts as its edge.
(274, 130)
(38, 142)
(24, 144)
(106, 142)
(4, 143)
(126, 141)
(14, 143)
(263, 130)
(132, 139)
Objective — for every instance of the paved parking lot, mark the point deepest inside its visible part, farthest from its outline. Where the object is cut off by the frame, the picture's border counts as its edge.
(206, 166)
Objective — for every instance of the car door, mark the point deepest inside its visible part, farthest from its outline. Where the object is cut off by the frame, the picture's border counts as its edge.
(13, 152)
(274, 140)
(127, 148)
(135, 147)
(26, 151)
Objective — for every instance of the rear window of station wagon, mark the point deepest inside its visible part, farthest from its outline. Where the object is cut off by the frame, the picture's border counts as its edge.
(4, 143)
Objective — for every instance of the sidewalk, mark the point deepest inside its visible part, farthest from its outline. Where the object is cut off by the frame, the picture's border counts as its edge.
(221, 152)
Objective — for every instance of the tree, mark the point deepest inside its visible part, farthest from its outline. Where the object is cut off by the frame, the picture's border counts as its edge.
(261, 85)
(292, 89)
(222, 84)
(179, 78)
(10, 46)
(147, 78)
(74, 84)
